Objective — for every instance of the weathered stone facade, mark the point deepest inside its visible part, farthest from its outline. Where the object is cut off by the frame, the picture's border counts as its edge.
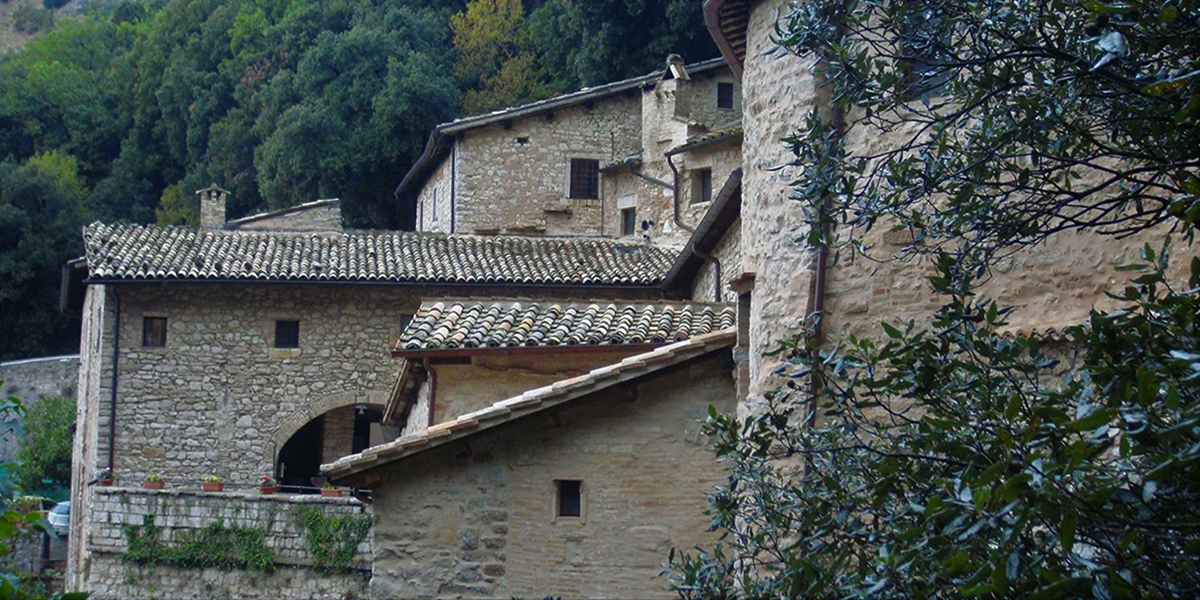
(465, 388)
(480, 521)
(513, 176)
(108, 576)
(1052, 285)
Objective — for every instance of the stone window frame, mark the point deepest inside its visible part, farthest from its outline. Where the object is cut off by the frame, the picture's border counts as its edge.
(554, 498)
(699, 194)
(566, 191)
(269, 331)
(153, 314)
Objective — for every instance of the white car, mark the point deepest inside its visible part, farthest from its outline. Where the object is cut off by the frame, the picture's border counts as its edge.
(60, 518)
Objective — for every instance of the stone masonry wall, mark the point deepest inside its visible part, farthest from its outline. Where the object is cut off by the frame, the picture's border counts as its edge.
(729, 253)
(504, 185)
(175, 511)
(324, 217)
(431, 215)
(220, 398)
(481, 523)
(1054, 284)
(462, 389)
(778, 91)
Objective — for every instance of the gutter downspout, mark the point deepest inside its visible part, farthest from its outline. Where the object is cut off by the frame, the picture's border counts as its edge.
(453, 179)
(679, 223)
(432, 390)
(112, 409)
(819, 283)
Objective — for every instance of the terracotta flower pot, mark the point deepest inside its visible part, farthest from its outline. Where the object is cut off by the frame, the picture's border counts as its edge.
(154, 485)
(267, 490)
(105, 482)
(210, 486)
(331, 493)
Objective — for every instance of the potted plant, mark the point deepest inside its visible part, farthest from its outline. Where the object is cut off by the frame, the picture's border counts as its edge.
(268, 486)
(153, 482)
(106, 477)
(331, 491)
(212, 483)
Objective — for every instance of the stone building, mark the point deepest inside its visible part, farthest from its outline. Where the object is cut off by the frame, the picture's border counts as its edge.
(578, 489)
(613, 160)
(1052, 285)
(238, 352)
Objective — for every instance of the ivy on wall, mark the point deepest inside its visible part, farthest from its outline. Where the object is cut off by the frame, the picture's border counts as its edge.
(333, 540)
(217, 545)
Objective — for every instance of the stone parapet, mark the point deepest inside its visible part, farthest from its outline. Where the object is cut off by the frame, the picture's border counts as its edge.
(281, 517)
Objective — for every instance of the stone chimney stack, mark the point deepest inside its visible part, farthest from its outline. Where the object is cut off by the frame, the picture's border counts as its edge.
(212, 207)
(676, 68)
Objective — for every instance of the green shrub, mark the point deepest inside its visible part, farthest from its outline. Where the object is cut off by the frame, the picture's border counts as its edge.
(44, 454)
(31, 19)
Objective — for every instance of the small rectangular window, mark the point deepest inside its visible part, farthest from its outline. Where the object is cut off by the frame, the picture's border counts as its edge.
(628, 221)
(585, 179)
(725, 96)
(287, 334)
(701, 186)
(154, 332)
(570, 498)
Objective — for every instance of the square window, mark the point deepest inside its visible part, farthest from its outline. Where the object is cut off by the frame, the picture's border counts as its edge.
(702, 186)
(628, 221)
(725, 96)
(287, 334)
(585, 179)
(154, 332)
(570, 498)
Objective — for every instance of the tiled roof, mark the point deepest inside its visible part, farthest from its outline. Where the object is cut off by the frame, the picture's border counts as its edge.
(138, 252)
(449, 324)
(539, 399)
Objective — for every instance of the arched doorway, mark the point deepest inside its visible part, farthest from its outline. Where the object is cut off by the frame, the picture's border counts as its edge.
(327, 437)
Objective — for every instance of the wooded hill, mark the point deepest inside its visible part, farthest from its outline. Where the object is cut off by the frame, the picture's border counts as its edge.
(121, 114)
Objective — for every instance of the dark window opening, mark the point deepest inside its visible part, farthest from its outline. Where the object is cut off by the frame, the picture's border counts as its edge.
(363, 419)
(628, 221)
(154, 332)
(522, 140)
(725, 96)
(924, 53)
(702, 186)
(287, 334)
(585, 179)
(570, 498)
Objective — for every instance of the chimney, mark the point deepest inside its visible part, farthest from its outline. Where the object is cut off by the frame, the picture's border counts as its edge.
(676, 68)
(212, 207)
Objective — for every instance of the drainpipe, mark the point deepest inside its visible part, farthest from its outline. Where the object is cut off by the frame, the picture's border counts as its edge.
(453, 179)
(675, 195)
(432, 390)
(112, 408)
(679, 223)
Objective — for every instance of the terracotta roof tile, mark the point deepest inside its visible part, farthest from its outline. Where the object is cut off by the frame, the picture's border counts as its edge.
(456, 324)
(139, 252)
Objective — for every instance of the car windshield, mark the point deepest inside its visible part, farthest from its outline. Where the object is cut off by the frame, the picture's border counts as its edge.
(61, 509)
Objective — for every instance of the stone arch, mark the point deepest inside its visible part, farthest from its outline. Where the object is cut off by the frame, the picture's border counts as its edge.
(289, 426)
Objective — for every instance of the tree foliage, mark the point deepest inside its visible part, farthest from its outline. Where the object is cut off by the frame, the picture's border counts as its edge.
(44, 454)
(949, 458)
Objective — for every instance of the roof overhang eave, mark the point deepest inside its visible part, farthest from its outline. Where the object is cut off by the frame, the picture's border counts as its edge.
(525, 350)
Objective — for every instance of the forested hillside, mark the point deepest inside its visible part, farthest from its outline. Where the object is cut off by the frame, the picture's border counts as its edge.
(121, 114)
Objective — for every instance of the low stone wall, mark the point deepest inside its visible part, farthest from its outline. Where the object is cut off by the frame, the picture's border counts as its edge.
(117, 513)
(30, 380)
